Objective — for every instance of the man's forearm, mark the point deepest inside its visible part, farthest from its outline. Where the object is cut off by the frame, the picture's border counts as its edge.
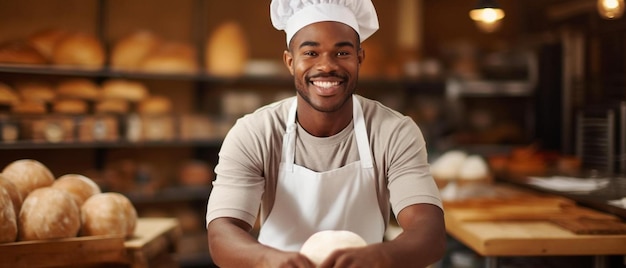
(422, 241)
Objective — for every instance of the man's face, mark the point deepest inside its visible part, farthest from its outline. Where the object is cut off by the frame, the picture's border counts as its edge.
(324, 59)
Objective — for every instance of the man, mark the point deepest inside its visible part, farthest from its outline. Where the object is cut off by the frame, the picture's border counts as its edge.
(326, 159)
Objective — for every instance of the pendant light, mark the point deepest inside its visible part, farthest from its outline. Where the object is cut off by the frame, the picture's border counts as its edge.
(488, 15)
(611, 9)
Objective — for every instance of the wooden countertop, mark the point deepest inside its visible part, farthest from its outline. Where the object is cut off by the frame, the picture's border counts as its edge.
(521, 223)
(152, 237)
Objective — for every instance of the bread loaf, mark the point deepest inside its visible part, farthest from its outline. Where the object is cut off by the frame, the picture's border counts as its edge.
(79, 50)
(8, 220)
(8, 96)
(155, 105)
(108, 213)
(35, 91)
(28, 175)
(124, 89)
(112, 106)
(16, 197)
(130, 50)
(20, 52)
(48, 213)
(78, 186)
(29, 107)
(226, 50)
(171, 57)
(70, 106)
(78, 88)
(45, 40)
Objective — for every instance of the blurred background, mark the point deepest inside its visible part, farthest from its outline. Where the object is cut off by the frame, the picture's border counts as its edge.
(138, 94)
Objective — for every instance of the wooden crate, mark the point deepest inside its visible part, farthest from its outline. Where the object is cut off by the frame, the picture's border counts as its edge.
(152, 238)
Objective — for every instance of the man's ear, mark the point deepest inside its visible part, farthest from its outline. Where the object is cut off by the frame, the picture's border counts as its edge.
(288, 60)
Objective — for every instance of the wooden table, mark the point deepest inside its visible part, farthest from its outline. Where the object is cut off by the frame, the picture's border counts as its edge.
(528, 229)
(153, 237)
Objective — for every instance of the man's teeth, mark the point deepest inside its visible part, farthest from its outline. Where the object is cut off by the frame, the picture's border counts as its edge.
(325, 84)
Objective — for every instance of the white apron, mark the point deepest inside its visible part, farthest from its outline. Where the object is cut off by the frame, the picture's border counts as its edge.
(307, 201)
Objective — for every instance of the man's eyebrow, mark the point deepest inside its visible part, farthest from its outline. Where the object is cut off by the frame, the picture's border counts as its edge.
(309, 44)
(316, 44)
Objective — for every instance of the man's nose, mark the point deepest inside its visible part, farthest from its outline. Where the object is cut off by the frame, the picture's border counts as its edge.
(327, 63)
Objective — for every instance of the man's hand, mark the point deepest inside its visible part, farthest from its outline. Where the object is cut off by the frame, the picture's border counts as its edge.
(371, 256)
(282, 259)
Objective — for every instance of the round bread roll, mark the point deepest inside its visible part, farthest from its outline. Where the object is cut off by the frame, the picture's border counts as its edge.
(29, 107)
(155, 105)
(35, 91)
(78, 88)
(474, 168)
(19, 52)
(45, 40)
(48, 213)
(446, 167)
(79, 49)
(129, 51)
(321, 244)
(8, 95)
(70, 106)
(171, 57)
(8, 220)
(112, 106)
(226, 50)
(124, 89)
(108, 214)
(28, 175)
(16, 197)
(78, 186)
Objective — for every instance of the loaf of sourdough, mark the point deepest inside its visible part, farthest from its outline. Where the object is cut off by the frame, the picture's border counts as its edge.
(171, 57)
(108, 213)
(78, 88)
(79, 50)
(28, 175)
(78, 186)
(45, 40)
(130, 50)
(35, 91)
(124, 89)
(16, 197)
(48, 213)
(8, 220)
(20, 52)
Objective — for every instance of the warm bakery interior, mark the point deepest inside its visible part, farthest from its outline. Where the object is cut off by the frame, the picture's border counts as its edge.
(524, 118)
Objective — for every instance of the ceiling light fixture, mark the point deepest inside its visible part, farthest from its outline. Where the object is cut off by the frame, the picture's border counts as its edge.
(488, 15)
(611, 9)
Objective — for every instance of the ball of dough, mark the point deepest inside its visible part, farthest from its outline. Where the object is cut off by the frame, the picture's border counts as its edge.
(28, 175)
(321, 244)
(108, 214)
(8, 221)
(78, 186)
(48, 213)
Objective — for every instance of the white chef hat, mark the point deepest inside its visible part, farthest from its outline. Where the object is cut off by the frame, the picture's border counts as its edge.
(293, 15)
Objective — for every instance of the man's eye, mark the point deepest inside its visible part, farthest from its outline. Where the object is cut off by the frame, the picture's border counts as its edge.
(343, 53)
(310, 53)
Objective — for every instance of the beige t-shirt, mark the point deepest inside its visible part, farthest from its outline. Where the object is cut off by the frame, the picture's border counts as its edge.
(247, 171)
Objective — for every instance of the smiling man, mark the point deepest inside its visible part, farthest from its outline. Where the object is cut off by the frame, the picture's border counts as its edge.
(326, 159)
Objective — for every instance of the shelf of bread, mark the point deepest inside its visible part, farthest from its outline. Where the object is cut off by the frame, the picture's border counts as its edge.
(224, 53)
(81, 111)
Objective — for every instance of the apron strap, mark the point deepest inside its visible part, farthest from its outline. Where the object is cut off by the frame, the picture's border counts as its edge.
(360, 132)
(289, 139)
